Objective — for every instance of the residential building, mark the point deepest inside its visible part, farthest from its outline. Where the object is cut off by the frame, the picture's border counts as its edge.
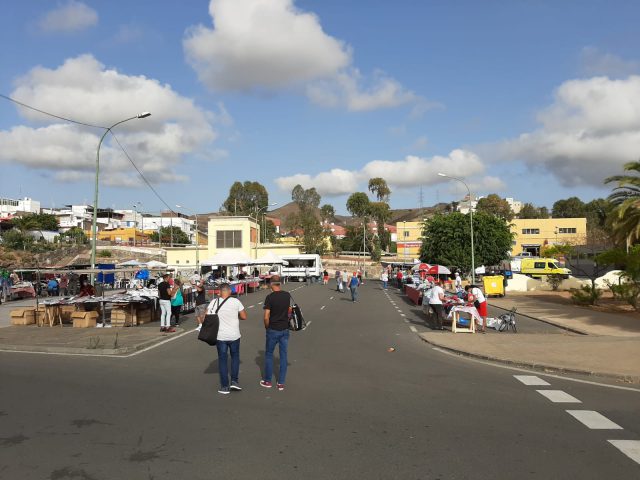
(516, 205)
(123, 235)
(409, 239)
(10, 207)
(465, 204)
(531, 235)
(172, 219)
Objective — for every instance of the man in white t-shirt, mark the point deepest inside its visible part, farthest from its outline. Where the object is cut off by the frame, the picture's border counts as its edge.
(436, 297)
(230, 311)
(458, 280)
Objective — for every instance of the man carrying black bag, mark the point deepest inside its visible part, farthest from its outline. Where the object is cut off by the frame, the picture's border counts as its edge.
(230, 310)
(277, 307)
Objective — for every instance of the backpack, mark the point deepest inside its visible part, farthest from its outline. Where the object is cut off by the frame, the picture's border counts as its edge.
(296, 320)
(209, 330)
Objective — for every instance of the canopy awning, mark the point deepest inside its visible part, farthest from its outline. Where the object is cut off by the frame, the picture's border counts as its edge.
(270, 259)
(226, 259)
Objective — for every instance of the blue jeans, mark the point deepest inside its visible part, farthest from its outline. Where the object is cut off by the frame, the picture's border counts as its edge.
(280, 338)
(354, 293)
(384, 284)
(232, 347)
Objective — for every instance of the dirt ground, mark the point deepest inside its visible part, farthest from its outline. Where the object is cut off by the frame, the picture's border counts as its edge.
(606, 303)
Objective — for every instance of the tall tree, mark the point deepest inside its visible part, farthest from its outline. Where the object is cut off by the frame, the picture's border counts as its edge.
(528, 210)
(381, 212)
(625, 218)
(327, 212)
(307, 201)
(571, 207)
(495, 205)
(358, 205)
(447, 240)
(36, 221)
(246, 198)
(378, 186)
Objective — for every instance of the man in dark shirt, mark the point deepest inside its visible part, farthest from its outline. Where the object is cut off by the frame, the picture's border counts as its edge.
(164, 296)
(276, 321)
(201, 303)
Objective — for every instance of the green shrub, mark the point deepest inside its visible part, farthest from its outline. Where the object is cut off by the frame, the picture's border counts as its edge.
(585, 295)
(629, 292)
(104, 253)
(554, 281)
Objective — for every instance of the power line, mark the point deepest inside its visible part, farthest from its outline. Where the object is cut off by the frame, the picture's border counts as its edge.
(50, 114)
(92, 126)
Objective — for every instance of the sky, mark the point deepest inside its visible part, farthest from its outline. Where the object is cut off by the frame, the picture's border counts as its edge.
(535, 100)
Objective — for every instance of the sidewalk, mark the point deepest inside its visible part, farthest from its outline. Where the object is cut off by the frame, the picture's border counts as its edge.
(609, 345)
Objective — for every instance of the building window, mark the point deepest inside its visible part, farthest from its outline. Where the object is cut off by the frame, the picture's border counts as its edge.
(566, 230)
(229, 239)
(187, 261)
(531, 231)
(406, 233)
(177, 262)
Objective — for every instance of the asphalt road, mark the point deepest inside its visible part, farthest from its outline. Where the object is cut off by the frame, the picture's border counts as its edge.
(351, 409)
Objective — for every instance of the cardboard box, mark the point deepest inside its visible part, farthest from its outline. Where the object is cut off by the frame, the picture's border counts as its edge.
(84, 319)
(23, 316)
(66, 311)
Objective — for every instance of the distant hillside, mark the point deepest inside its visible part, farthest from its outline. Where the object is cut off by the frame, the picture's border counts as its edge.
(400, 215)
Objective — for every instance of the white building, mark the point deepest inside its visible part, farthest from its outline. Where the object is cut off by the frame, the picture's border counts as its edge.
(185, 224)
(9, 206)
(516, 205)
(81, 216)
(465, 204)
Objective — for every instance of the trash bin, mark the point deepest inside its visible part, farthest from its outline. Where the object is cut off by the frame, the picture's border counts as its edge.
(494, 285)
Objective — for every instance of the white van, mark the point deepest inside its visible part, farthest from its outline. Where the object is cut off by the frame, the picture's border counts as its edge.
(301, 265)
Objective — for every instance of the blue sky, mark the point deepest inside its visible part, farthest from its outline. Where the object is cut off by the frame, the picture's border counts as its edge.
(535, 100)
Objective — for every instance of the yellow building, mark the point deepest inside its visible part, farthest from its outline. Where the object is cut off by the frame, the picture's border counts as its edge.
(123, 235)
(409, 239)
(228, 234)
(531, 235)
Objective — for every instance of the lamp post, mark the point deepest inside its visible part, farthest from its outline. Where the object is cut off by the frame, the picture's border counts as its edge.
(473, 262)
(135, 222)
(258, 213)
(94, 223)
(404, 240)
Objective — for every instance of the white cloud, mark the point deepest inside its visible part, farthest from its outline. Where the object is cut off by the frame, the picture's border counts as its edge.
(72, 16)
(270, 45)
(411, 172)
(590, 131)
(596, 62)
(83, 89)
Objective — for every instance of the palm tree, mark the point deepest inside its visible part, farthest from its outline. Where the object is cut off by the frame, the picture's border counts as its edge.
(625, 218)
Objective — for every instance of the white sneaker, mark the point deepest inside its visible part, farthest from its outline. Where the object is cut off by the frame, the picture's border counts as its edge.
(199, 328)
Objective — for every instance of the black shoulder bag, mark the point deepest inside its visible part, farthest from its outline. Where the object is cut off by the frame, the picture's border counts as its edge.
(210, 325)
(296, 320)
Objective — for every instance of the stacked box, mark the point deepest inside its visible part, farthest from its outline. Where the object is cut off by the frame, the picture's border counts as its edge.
(65, 313)
(23, 316)
(144, 316)
(84, 319)
(121, 316)
(40, 315)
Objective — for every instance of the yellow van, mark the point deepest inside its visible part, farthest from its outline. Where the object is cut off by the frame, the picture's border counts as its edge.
(537, 267)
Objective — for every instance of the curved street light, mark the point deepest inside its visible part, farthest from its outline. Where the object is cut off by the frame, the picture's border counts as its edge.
(94, 223)
(197, 240)
(258, 213)
(473, 263)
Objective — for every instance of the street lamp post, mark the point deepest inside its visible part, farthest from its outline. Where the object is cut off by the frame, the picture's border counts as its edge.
(257, 214)
(473, 263)
(94, 223)
(196, 240)
(404, 240)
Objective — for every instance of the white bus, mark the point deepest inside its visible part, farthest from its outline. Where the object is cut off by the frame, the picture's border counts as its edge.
(302, 265)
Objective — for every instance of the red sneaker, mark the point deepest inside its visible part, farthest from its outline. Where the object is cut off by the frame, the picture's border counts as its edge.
(280, 386)
(171, 330)
(265, 384)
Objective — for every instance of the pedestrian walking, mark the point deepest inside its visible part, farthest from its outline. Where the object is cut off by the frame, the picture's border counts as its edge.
(338, 277)
(384, 277)
(436, 297)
(230, 312)
(201, 303)
(164, 296)
(399, 279)
(307, 277)
(177, 300)
(325, 277)
(277, 307)
(354, 283)
(344, 280)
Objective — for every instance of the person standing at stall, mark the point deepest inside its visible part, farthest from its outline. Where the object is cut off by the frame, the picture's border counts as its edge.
(384, 277)
(177, 300)
(399, 279)
(201, 303)
(164, 296)
(480, 302)
(436, 297)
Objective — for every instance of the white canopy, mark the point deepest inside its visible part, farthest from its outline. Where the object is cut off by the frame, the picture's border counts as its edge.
(227, 258)
(130, 263)
(269, 259)
(155, 264)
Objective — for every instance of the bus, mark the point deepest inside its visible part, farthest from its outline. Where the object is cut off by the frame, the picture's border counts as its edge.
(302, 265)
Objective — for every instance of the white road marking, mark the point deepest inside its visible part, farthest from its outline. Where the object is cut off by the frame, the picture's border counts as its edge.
(524, 370)
(594, 420)
(322, 307)
(251, 306)
(631, 448)
(402, 315)
(413, 329)
(531, 380)
(259, 303)
(330, 298)
(558, 396)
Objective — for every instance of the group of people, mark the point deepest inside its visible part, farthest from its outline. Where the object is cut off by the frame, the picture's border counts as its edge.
(353, 281)
(471, 293)
(277, 308)
(171, 299)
